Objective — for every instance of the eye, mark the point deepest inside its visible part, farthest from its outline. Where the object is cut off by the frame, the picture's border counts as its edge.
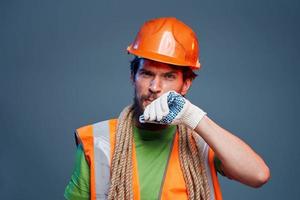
(170, 76)
(145, 73)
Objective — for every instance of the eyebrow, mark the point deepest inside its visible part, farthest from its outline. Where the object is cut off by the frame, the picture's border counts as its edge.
(144, 70)
(171, 72)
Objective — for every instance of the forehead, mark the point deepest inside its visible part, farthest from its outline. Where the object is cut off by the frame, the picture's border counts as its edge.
(152, 65)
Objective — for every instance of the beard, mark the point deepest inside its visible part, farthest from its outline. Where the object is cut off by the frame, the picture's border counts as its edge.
(141, 103)
(139, 107)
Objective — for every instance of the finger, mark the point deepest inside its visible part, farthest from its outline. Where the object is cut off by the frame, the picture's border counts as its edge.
(152, 111)
(158, 110)
(147, 113)
(164, 105)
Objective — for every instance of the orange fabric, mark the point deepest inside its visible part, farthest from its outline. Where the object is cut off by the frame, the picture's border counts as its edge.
(86, 136)
(174, 184)
(167, 40)
(217, 188)
(135, 174)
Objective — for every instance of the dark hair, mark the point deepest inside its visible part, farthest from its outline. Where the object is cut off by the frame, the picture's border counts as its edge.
(186, 71)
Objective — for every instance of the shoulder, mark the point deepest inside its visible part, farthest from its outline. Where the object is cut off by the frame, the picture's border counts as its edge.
(90, 128)
(85, 134)
(112, 121)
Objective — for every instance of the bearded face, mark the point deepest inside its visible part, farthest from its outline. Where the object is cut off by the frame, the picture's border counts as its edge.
(154, 79)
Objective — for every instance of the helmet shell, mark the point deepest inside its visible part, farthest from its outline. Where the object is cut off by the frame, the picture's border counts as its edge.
(167, 40)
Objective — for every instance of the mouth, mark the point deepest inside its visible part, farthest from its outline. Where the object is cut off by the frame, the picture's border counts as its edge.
(147, 101)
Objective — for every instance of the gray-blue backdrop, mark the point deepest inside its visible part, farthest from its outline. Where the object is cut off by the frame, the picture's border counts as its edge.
(63, 65)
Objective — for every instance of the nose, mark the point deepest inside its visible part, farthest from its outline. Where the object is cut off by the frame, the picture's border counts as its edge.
(155, 85)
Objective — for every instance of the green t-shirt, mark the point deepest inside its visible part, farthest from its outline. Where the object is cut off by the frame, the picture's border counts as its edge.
(152, 152)
(79, 185)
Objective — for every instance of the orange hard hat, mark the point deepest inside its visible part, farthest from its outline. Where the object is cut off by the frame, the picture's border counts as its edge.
(167, 40)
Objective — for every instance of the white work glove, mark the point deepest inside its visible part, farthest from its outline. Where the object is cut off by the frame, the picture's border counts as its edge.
(172, 108)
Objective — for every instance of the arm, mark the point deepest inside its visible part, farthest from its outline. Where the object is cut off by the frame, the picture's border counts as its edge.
(239, 161)
(79, 187)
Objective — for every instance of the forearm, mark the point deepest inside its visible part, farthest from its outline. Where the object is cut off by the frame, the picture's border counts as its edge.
(239, 161)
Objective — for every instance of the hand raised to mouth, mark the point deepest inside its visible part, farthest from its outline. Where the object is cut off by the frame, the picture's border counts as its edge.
(172, 108)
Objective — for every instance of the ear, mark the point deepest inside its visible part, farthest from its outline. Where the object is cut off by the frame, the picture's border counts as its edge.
(186, 86)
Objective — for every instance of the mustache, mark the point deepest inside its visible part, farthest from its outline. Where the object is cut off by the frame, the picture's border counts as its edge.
(150, 97)
(138, 103)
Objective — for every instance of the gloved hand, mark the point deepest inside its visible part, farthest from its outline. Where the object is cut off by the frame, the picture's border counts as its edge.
(172, 108)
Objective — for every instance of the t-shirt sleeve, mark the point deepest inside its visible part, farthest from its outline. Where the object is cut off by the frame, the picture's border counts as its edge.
(79, 185)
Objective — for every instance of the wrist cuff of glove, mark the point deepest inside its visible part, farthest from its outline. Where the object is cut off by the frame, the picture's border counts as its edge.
(193, 116)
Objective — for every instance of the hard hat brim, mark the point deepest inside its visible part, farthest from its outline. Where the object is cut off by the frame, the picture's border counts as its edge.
(162, 58)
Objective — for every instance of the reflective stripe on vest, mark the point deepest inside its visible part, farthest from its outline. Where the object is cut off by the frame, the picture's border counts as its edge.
(98, 142)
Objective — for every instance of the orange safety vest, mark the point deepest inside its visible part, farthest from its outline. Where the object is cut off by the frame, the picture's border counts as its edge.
(98, 141)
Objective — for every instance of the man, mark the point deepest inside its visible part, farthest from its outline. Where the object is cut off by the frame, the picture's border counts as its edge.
(162, 146)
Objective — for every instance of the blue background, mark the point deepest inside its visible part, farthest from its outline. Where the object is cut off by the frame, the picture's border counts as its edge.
(63, 64)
